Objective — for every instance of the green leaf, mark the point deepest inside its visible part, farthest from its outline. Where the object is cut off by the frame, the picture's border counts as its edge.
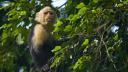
(120, 5)
(68, 28)
(95, 1)
(94, 11)
(19, 40)
(5, 26)
(70, 16)
(59, 23)
(55, 62)
(5, 36)
(82, 11)
(116, 37)
(74, 18)
(96, 42)
(23, 13)
(81, 62)
(57, 29)
(86, 42)
(57, 48)
(80, 5)
(58, 26)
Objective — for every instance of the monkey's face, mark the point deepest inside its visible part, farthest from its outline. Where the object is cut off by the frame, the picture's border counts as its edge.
(46, 16)
(49, 16)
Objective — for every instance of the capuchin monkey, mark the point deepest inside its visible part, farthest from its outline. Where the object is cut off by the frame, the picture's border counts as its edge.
(41, 40)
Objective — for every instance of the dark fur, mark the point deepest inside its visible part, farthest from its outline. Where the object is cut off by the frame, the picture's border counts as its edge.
(44, 51)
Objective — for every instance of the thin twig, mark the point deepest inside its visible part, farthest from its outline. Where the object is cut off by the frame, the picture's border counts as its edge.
(109, 54)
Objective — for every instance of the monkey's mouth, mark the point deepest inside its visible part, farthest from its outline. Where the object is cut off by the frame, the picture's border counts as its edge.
(49, 20)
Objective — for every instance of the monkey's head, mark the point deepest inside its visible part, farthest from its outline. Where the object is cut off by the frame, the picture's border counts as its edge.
(46, 16)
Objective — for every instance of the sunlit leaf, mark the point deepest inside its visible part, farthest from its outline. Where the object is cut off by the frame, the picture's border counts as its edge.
(80, 5)
(56, 48)
(82, 11)
(57, 29)
(68, 28)
(23, 13)
(86, 42)
(5, 26)
(59, 23)
(95, 1)
(81, 62)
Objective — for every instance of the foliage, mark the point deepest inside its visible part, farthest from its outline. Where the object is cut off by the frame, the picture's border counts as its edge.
(92, 47)
(17, 19)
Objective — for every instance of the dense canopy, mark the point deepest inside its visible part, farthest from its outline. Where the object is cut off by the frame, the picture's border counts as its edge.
(97, 32)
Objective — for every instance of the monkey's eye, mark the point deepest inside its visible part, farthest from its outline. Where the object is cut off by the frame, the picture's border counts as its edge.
(51, 13)
(45, 13)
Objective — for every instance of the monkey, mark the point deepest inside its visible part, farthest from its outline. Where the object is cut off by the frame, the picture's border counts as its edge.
(41, 39)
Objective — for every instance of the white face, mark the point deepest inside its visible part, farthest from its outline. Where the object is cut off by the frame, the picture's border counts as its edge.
(46, 16)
